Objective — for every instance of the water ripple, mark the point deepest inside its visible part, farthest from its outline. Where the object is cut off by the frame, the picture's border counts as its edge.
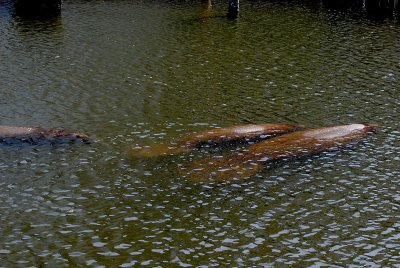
(132, 74)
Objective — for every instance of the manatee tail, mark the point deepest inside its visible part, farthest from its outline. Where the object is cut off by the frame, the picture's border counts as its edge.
(221, 170)
(159, 149)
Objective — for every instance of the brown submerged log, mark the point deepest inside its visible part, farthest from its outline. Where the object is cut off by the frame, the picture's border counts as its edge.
(34, 135)
(217, 136)
(249, 161)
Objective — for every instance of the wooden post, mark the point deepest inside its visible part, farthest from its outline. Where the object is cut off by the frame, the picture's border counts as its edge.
(233, 9)
(206, 10)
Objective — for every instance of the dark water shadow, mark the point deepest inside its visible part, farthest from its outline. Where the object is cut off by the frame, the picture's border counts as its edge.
(37, 8)
(375, 10)
(30, 17)
(371, 9)
(38, 24)
(380, 10)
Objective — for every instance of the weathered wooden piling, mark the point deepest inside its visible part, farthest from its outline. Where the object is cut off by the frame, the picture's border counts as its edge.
(38, 7)
(233, 9)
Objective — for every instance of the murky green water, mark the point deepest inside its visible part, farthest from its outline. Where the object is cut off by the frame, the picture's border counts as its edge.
(132, 73)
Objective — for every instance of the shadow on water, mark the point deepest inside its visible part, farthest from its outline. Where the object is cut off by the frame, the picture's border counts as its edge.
(372, 9)
(38, 17)
(39, 8)
(43, 24)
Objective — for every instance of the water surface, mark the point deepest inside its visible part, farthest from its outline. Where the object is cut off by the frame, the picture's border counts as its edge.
(132, 73)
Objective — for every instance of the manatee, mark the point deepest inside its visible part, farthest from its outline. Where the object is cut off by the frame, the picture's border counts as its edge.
(218, 136)
(252, 159)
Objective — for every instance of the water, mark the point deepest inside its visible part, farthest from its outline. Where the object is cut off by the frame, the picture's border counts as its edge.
(133, 73)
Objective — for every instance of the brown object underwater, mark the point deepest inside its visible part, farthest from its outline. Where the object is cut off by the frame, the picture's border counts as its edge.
(249, 161)
(236, 133)
(35, 135)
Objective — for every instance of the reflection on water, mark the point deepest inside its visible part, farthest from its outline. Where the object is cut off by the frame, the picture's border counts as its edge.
(135, 73)
(373, 9)
(38, 8)
(49, 26)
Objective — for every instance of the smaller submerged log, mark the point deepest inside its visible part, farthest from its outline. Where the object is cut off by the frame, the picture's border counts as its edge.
(218, 136)
(34, 135)
(251, 160)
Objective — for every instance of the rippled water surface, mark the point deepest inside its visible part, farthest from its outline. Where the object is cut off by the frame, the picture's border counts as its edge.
(133, 73)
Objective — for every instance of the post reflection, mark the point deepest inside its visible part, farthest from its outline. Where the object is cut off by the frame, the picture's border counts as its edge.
(39, 8)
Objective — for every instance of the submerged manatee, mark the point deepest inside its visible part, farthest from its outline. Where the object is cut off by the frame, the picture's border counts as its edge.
(249, 161)
(236, 133)
(34, 135)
